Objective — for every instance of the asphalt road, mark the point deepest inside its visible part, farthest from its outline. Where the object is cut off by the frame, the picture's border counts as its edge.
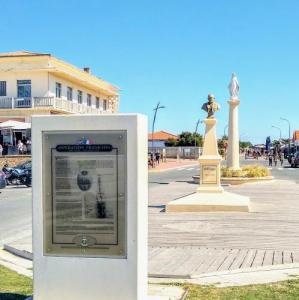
(184, 174)
(15, 202)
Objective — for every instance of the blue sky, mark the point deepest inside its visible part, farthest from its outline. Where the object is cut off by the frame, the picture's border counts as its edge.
(175, 52)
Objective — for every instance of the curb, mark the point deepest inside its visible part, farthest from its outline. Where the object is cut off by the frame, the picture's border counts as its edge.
(21, 253)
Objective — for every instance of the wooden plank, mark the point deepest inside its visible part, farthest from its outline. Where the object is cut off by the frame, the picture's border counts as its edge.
(277, 258)
(249, 258)
(287, 257)
(178, 257)
(229, 260)
(295, 255)
(259, 258)
(160, 260)
(218, 260)
(268, 259)
(239, 259)
(210, 257)
(196, 258)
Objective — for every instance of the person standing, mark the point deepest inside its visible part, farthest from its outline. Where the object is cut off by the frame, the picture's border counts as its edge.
(281, 158)
(1, 150)
(270, 156)
(275, 159)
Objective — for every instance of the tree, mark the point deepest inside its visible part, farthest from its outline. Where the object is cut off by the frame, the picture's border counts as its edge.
(244, 145)
(186, 138)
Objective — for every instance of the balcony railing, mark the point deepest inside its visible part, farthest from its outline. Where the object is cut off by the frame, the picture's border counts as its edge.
(48, 102)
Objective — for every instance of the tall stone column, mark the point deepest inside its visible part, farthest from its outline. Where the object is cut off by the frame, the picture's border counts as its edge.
(233, 151)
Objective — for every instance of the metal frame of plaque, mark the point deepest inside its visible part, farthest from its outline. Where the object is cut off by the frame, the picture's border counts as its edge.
(85, 199)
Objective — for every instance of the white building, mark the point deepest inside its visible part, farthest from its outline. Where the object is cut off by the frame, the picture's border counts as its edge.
(38, 83)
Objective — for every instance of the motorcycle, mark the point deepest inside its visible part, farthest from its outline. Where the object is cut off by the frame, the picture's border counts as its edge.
(17, 176)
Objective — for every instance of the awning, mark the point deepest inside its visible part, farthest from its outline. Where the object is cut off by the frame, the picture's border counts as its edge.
(15, 125)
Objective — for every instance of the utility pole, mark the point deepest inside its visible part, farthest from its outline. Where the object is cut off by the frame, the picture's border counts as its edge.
(154, 120)
(279, 131)
(196, 127)
(284, 119)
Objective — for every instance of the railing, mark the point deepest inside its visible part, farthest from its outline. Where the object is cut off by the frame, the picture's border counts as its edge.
(43, 101)
(49, 102)
(6, 102)
(22, 102)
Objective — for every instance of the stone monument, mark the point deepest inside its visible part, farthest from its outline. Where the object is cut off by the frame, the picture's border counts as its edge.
(233, 151)
(209, 195)
(210, 159)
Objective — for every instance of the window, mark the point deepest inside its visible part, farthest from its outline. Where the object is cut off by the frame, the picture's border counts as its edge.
(58, 90)
(69, 94)
(24, 88)
(80, 97)
(97, 102)
(2, 88)
(105, 105)
(88, 99)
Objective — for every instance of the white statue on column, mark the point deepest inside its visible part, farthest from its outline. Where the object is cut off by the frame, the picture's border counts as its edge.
(234, 87)
(233, 155)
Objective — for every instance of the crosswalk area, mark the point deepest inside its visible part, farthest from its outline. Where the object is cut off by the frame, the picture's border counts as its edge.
(281, 169)
(188, 168)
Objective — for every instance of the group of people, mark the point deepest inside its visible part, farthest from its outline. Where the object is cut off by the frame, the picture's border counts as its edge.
(22, 147)
(275, 157)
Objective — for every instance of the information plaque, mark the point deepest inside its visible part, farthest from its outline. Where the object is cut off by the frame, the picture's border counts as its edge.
(209, 174)
(85, 193)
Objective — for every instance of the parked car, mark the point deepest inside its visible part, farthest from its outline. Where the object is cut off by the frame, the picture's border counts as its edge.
(2, 180)
(294, 159)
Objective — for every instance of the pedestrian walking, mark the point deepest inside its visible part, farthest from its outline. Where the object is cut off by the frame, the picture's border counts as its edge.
(281, 158)
(275, 158)
(270, 159)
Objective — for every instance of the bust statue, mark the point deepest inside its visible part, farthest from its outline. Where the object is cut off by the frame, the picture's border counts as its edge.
(211, 106)
(234, 87)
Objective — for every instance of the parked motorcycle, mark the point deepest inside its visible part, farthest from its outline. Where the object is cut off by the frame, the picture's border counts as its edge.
(20, 175)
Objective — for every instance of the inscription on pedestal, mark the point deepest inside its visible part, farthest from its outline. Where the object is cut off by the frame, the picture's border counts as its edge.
(209, 174)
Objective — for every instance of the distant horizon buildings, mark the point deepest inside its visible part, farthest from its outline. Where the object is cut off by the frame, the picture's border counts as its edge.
(159, 138)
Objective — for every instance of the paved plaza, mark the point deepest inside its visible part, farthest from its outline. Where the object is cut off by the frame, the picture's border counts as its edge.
(185, 245)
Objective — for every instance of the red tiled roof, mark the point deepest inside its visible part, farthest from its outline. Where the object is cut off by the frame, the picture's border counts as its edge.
(296, 135)
(162, 136)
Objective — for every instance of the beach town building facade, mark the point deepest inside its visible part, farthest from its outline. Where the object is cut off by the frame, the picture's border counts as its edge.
(38, 83)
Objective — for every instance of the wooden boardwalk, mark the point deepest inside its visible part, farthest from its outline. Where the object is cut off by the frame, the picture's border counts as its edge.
(184, 244)
(192, 261)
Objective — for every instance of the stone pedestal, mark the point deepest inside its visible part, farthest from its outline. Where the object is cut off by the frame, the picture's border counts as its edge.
(233, 151)
(210, 161)
(210, 196)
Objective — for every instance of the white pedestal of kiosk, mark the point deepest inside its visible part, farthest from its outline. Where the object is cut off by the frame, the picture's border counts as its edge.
(90, 207)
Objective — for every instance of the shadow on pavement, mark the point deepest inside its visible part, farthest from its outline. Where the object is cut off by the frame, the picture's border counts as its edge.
(187, 181)
(160, 206)
(9, 296)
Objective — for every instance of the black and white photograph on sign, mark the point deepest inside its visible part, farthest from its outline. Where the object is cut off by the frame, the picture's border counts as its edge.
(85, 199)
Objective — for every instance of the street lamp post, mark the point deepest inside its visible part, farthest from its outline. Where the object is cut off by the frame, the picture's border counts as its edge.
(279, 131)
(284, 119)
(196, 127)
(154, 120)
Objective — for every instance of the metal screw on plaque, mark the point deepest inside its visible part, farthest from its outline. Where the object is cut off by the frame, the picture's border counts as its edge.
(120, 194)
(84, 242)
(120, 137)
(48, 194)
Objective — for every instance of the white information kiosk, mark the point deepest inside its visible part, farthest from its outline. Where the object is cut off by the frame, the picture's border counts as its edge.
(90, 207)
